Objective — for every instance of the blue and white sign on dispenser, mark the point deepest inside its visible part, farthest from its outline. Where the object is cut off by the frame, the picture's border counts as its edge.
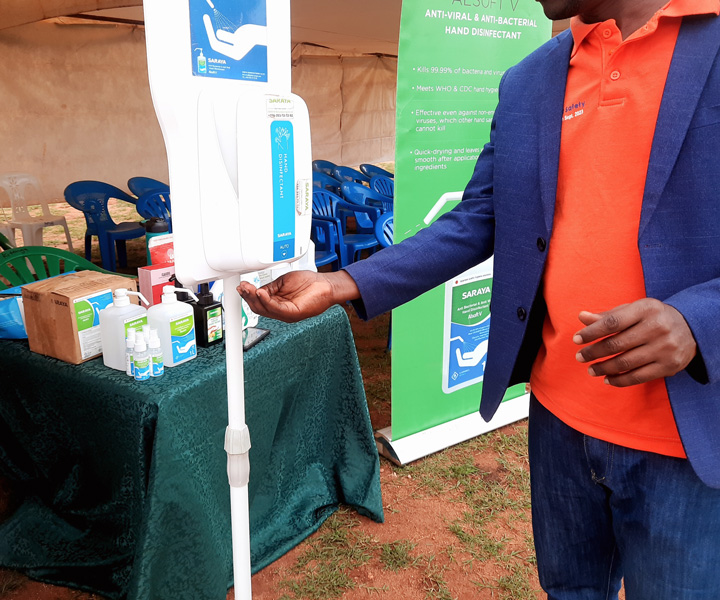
(230, 43)
(239, 157)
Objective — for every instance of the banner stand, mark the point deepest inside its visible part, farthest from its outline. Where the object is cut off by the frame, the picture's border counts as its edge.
(419, 445)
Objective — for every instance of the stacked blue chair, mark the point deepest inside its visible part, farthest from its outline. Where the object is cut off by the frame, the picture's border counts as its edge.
(329, 250)
(91, 198)
(143, 185)
(359, 194)
(350, 174)
(155, 204)
(383, 185)
(372, 170)
(324, 181)
(324, 166)
(329, 207)
(384, 230)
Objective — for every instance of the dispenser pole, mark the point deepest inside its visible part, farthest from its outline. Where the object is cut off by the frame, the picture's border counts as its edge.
(237, 440)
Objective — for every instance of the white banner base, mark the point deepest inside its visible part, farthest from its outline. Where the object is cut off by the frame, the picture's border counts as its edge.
(424, 443)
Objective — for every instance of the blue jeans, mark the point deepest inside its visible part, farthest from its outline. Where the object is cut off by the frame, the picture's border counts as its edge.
(602, 512)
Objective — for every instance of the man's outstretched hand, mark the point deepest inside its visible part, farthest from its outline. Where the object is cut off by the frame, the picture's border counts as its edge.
(635, 343)
(298, 295)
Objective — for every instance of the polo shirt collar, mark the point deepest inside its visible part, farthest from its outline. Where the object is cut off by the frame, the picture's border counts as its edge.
(674, 8)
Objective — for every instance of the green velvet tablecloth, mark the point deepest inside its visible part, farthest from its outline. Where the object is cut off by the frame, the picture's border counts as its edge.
(123, 483)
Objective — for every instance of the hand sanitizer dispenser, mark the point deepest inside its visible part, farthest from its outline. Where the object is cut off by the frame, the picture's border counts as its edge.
(238, 142)
(238, 146)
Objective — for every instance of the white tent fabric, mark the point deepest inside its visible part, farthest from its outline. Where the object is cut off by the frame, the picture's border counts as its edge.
(77, 101)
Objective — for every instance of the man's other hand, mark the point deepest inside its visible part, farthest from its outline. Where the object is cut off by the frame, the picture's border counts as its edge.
(640, 341)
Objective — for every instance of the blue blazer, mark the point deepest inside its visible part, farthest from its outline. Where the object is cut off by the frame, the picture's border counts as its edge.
(508, 207)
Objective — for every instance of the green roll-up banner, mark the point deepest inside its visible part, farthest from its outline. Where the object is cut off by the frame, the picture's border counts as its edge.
(452, 55)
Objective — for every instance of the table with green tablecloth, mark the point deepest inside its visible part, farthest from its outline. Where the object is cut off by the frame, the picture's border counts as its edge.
(123, 484)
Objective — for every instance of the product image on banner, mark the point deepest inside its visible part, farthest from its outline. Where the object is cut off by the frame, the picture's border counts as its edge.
(229, 39)
(466, 327)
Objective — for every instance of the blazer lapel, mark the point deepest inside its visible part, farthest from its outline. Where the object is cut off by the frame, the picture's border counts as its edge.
(695, 51)
(550, 113)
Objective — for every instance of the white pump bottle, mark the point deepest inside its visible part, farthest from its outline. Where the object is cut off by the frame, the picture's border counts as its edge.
(175, 324)
(115, 320)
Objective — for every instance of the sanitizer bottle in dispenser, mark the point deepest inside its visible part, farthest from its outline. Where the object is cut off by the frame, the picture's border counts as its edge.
(115, 320)
(175, 325)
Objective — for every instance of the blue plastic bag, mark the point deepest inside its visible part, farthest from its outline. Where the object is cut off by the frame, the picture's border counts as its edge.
(12, 324)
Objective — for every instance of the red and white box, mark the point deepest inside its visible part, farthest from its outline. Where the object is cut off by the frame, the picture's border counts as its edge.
(152, 280)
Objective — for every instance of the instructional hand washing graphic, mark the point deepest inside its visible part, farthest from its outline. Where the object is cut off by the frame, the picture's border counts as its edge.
(229, 39)
(467, 325)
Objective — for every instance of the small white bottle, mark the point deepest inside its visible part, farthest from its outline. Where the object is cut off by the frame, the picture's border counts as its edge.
(157, 365)
(129, 347)
(141, 359)
(115, 320)
(175, 324)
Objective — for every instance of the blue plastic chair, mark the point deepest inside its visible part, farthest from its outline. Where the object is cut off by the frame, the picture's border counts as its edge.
(383, 185)
(328, 249)
(91, 198)
(372, 170)
(324, 181)
(359, 194)
(324, 166)
(384, 230)
(155, 204)
(330, 207)
(355, 194)
(143, 185)
(350, 174)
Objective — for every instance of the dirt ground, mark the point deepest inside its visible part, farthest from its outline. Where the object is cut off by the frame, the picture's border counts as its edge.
(457, 524)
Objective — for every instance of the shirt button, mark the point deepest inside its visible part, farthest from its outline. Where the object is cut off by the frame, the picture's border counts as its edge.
(606, 33)
(521, 313)
(615, 75)
(541, 244)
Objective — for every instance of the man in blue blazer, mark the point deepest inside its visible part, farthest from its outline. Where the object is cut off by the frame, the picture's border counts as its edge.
(601, 511)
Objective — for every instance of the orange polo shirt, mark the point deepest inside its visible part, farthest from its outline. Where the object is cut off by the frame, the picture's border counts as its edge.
(612, 99)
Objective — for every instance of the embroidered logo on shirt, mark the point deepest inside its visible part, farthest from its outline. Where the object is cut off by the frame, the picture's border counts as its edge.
(571, 111)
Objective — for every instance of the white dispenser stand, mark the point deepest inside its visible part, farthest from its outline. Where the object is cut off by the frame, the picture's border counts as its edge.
(239, 155)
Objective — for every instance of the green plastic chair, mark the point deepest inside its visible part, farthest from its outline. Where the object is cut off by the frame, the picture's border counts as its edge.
(33, 263)
(5, 243)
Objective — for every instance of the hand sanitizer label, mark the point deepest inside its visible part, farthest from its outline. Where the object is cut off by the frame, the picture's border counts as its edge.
(182, 339)
(229, 39)
(282, 143)
(87, 319)
(467, 324)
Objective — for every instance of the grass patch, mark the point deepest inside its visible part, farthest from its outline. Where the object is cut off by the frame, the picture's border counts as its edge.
(396, 555)
(323, 569)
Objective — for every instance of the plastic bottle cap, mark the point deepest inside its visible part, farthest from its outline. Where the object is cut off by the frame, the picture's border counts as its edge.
(169, 292)
(140, 344)
(205, 295)
(121, 297)
(154, 340)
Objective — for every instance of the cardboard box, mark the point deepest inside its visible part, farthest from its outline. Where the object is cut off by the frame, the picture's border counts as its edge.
(161, 249)
(153, 279)
(61, 313)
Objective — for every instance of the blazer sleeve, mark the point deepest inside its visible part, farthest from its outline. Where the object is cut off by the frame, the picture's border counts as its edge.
(700, 306)
(457, 241)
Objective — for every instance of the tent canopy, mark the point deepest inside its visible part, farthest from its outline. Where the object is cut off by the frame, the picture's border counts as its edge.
(77, 103)
(370, 26)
